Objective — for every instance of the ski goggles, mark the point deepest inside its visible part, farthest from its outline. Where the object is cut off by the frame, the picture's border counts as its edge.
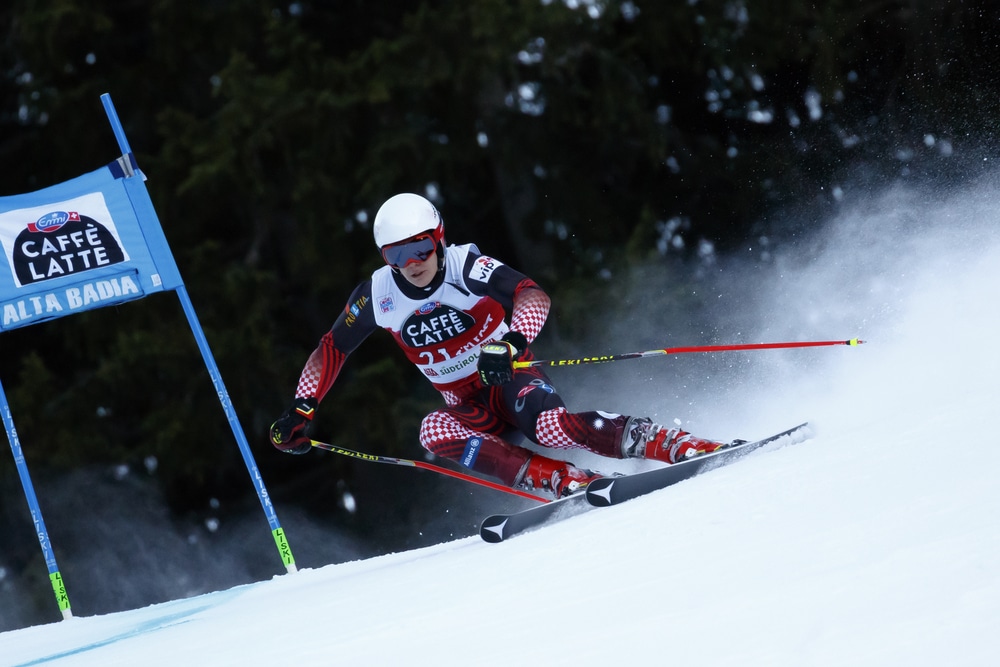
(414, 249)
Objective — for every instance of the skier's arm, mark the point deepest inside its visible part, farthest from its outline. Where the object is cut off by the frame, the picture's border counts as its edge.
(528, 306)
(321, 369)
(352, 326)
(527, 303)
(530, 309)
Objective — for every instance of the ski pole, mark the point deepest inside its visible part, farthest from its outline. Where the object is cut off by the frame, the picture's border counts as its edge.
(375, 458)
(602, 359)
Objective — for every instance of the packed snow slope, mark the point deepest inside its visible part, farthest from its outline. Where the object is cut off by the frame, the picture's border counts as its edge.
(873, 543)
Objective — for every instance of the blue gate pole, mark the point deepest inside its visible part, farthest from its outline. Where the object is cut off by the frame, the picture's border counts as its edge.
(58, 587)
(277, 532)
(241, 439)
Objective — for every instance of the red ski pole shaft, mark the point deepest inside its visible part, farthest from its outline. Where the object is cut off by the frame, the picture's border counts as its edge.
(603, 359)
(375, 458)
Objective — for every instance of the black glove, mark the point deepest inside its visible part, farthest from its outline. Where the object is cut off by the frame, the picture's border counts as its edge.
(496, 359)
(288, 432)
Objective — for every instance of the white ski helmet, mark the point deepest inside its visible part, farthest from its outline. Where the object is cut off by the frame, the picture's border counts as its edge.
(403, 216)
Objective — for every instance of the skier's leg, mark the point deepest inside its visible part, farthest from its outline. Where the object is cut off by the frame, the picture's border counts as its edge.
(641, 438)
(533, 404)
(598, 432)
(538, 410)
(447, 433)
(465, 434)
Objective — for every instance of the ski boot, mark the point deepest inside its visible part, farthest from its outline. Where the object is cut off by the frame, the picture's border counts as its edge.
(643, 439)
(559, 478)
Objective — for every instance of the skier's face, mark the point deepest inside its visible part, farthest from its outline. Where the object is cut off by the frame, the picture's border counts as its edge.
(420, 274)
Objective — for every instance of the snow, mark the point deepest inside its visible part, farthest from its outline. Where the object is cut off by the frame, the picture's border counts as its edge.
(873, 543)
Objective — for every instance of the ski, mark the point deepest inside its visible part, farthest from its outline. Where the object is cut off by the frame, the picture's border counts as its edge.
(613, 490)
(498, 527)
(607, 491)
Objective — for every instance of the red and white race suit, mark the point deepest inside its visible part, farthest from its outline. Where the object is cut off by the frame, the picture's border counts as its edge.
(440, 329)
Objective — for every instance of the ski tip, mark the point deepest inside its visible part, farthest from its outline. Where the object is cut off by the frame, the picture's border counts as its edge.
(805, 429)
(795, 434)
(797, 431)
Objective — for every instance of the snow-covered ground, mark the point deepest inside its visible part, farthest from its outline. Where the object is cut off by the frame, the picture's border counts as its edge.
(873, 543)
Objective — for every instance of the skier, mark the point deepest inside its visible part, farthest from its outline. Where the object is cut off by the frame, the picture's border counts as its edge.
(447, 307)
